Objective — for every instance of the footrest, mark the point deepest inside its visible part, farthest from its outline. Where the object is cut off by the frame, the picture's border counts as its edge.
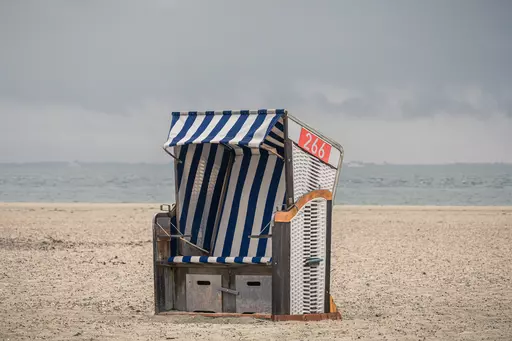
(220, 260)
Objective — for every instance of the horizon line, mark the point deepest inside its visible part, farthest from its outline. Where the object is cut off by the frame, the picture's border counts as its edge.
(345, 164)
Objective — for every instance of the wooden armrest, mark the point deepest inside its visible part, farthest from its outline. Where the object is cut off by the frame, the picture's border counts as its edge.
(287, 216)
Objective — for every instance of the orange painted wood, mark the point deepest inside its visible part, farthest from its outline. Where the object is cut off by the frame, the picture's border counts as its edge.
(332, 306)
(287, 216)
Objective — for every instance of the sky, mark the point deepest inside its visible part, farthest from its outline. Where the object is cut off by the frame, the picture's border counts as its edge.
(411, 82)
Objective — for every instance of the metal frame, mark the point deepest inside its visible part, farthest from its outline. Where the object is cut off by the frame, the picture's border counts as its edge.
(326, 138)
(169, 289)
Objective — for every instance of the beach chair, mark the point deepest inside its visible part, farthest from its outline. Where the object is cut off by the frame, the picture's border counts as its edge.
(250, 231)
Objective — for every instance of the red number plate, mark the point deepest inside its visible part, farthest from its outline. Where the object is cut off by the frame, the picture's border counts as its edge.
(314, 145)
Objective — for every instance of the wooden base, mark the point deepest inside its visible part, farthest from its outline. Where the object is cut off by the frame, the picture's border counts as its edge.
(275, 318)
(307, 317)
(186, 313)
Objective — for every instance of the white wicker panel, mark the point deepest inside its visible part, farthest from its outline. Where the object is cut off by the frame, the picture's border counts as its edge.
(297, 264)
(310, 174)
(308, 239)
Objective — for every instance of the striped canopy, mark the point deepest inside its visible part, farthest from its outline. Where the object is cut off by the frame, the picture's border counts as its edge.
(248, 128)
(229, 182)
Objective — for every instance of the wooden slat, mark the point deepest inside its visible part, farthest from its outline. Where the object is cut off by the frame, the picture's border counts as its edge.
(275, 318)
(287, 216)
(307, 317)
(181, 313)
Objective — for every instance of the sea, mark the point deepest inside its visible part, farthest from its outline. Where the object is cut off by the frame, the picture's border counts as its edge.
(360, 183)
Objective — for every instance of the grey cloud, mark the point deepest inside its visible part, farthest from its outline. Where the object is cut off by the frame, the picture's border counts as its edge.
(115, 57)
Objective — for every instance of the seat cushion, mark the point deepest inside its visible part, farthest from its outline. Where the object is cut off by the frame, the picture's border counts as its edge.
(220, 260)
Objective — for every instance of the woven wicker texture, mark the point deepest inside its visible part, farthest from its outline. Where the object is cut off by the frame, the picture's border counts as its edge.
(310, 174)
(308, 241)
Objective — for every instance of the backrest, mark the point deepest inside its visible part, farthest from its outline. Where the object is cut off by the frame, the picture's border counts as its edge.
(256, 186)
(200, 178)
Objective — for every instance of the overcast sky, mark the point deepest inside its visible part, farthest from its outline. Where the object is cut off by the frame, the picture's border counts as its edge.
(394, 81)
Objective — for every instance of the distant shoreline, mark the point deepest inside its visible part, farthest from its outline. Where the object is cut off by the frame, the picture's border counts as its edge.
(354, 164)
(337, 206)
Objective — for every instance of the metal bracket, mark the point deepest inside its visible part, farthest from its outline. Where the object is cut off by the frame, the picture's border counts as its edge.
(313, 261)
(166, 207)
(180, 236)
(229, 291)
(260, 236)
(172, 155)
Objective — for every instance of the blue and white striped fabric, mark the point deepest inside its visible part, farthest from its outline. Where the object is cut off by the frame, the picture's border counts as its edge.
(256, 187)
(221, 260)
(241, 128)
(200, 178)
(233, 159)
(274, 141)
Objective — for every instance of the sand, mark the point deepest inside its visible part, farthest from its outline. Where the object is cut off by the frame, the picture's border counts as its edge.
(84, 272)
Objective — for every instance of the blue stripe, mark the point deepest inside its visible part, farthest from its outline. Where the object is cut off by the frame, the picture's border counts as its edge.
(201, 201)
(216, 196)
(186, 126)
(253, 200)
(174, 241)
(235, 129)
(279, 149)
(202, 127)
(250, 134)
(279, 126)
(190, 185)
(267, 214)
(272, 124)
(222, 122)
(276, 137)
(220, 260)
(228, 242)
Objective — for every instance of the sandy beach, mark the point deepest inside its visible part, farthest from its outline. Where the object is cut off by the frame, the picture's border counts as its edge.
(84, 272)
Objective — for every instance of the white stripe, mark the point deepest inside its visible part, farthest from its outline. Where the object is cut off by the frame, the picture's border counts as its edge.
(269, 148)
(196, 191)
(278, 131)
(259, 135)
(192, 130)
(221, 234)
(260, 205)
(244, 202)
(214, 260)
(178, 126)
(245, 129)
(186, 170)
(209, 128)
(274, 141)
(227, 127)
